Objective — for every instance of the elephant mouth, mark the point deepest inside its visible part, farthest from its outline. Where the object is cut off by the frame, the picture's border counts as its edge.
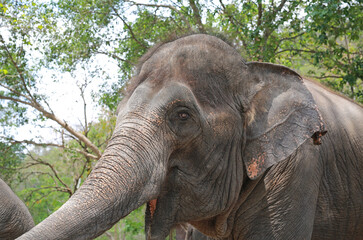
(159, 218)
(152, 222)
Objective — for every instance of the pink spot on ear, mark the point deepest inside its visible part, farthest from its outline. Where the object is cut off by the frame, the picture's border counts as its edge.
(252, 169)
(255, 166)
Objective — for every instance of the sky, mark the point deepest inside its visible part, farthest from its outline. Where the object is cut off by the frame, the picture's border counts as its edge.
(65, 99)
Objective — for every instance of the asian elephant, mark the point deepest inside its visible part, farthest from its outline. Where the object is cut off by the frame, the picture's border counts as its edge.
(234, 148)
(15, 218)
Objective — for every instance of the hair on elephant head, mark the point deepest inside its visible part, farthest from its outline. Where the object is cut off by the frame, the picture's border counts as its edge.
(15, 218)
(196, 135)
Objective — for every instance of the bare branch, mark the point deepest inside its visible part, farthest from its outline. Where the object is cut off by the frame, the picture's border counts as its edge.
(270, 18)
(109, 235)
(15, 91)
(62, 137)
(153, 5)
(260, 10)
(30, 142)
(82, 89)
(113, 55)
(287, 38)
(325, 76)
(234, 22)
(14, 100)
(196, 15)
(296, 50)
(128, 27)
(86, 154)
(163, 6)
(13, 141)
(39, 199)
(61, 122)
(278, 9)
(293, 37)
(57, 189)
(17, 69)
(38, 160)
(46, 103)
(27, 175)
(347, 47)
(84, 167)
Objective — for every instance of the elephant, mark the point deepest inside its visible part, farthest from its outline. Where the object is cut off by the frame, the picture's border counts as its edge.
(188, 232)
(193, 234)
(15, 218)
(239, 150)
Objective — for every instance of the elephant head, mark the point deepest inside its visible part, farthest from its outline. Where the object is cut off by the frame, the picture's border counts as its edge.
(196, 123)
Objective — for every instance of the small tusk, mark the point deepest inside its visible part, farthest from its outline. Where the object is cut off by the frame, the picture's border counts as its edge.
(152, 207)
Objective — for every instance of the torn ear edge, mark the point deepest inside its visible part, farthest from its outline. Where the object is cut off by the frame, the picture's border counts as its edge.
(317, 137)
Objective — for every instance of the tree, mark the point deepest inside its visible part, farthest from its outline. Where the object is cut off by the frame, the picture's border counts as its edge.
(306, 35)
(337, 29)
(11, 156)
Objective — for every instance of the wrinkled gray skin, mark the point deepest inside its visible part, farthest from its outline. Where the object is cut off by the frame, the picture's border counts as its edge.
(15, 218)
(226, 146)
(193, 234)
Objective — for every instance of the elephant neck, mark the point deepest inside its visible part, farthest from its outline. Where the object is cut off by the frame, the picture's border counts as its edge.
(222, 225)
(247, 188)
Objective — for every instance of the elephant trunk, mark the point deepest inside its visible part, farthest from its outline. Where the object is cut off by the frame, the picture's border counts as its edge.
(127, 175)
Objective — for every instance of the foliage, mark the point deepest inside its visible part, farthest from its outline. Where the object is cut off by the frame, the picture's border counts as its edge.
(22, 24)
(325, 34)
(337, 28)
(11, 156)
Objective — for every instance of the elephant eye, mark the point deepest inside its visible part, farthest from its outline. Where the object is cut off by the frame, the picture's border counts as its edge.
(183, 116)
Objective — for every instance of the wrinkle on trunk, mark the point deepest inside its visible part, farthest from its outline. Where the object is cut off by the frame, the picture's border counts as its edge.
(123, 179)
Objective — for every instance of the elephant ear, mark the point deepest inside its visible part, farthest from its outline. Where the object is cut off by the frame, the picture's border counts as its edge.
(280, 114)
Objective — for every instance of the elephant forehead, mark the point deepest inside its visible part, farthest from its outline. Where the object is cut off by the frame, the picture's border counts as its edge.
(149, 94)
(163, 93)
(209, 67)
(190, 57)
